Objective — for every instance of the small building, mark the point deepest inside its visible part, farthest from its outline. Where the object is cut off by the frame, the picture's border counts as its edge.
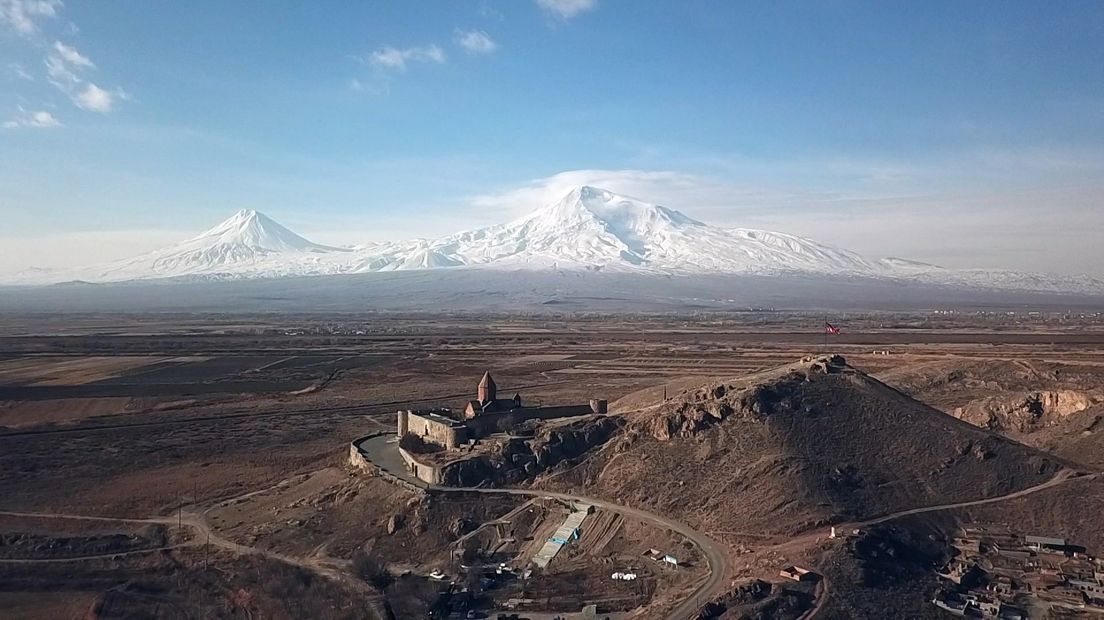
(1093, 591)
(796, 573)
(987, 606)
(1046, 544)
(1002, 586)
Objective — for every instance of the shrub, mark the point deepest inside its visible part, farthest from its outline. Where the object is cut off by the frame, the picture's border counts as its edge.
(371, 568)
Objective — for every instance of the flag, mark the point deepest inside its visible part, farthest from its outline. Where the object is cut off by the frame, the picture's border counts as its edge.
(830, 329)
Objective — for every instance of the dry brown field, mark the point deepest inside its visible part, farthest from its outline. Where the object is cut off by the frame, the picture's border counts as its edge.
(125, 441)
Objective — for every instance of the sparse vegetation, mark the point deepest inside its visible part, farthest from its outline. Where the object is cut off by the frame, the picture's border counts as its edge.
(167, 443)
(372, 569)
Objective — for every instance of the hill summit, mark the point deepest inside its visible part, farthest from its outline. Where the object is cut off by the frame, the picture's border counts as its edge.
(801, 446)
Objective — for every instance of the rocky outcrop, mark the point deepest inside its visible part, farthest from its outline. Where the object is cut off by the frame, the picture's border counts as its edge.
(1026, 411)
(519, 458)
(709, 405)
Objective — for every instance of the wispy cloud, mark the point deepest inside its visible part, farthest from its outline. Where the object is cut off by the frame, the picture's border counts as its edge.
(22, 16)
(17, 70)
(566, 9)
(65, 68)
(71, 55)
(664, 186)
(393, 59)
(475, 41)
(40, 119)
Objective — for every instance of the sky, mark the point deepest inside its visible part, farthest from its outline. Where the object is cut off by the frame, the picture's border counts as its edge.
(966, 134)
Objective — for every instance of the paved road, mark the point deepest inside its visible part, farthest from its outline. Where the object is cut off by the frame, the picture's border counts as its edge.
(383, 451)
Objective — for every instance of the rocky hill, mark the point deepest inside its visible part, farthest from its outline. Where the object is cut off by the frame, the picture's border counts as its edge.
(805, 445)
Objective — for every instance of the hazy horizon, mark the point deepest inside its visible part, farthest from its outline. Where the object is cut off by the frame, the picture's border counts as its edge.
(963, 135)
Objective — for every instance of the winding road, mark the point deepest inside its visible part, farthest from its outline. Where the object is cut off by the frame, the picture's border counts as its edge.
(202, 534)
(381, 448)
(1062, 477)
(383, 451)
(715, 555)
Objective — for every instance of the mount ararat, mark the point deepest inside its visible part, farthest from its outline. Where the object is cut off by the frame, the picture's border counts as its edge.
(589, 229)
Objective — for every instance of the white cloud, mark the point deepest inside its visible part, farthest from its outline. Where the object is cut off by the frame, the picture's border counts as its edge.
(666, 187)
(393, 59)
(33, 120)
(65, 68)
(475, 42)
(59, 73)
(71, 55)
(566, 9)
(96, 99)
(22, 15)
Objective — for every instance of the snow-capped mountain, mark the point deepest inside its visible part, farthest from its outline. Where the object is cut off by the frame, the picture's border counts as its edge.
(589, 229)
(598, 229)
(247, 242)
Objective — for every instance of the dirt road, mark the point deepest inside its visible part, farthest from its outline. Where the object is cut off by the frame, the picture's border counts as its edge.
(714, 555)
(1062, 477)
(202, 535)
(383, 451)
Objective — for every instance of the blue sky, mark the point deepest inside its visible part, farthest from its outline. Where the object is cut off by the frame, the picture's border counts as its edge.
(963, 133)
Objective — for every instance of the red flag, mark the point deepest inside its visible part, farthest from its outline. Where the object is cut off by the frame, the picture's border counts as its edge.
(830, 329)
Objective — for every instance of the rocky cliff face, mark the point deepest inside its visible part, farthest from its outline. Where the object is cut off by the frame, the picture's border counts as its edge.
(1026, 411)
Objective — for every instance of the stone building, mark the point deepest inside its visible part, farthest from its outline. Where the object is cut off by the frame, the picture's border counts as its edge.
(487, 400)
(483, 416)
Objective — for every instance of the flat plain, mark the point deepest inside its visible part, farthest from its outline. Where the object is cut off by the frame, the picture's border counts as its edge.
(195, 465)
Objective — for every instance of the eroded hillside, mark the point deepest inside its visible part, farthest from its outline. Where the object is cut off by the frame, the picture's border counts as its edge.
(804, 445)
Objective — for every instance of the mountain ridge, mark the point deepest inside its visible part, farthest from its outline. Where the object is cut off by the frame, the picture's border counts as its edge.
(589, 228)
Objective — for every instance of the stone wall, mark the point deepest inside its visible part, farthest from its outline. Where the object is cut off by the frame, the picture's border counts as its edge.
(359, 461)
(433, 428)
(487, 423)
(425, 472)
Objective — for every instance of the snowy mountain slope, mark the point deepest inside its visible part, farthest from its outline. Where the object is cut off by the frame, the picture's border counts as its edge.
(589, 229)
(598, 229)
(247, 242)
